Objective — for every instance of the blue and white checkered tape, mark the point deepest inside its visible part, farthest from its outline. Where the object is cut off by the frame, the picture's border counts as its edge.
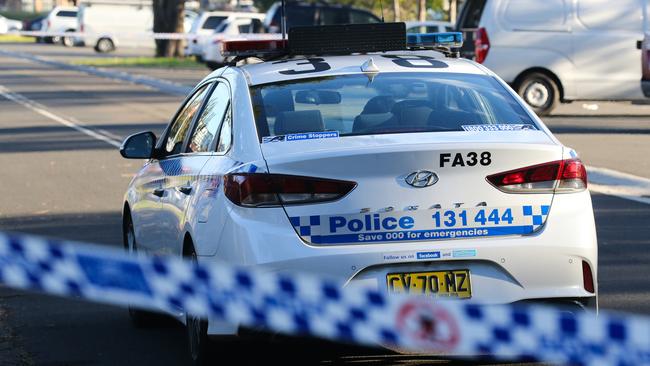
(308, 305)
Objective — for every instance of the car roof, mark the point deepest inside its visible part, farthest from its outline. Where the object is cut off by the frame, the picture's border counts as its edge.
(427, 22)
(270, 72)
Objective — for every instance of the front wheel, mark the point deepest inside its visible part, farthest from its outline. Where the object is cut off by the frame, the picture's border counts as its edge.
(197, 332)
(540, 92)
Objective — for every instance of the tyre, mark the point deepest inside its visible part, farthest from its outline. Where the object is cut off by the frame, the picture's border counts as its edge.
(198, 343)
(540, 92)
(105, 45)
(139, 318)
(68, 41)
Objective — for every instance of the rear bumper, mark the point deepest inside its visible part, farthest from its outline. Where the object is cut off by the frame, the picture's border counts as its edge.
(542, 267)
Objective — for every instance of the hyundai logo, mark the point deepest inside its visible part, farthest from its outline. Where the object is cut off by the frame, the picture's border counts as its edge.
(421, 179)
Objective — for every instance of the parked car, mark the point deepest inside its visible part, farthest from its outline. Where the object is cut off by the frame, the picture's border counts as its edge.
(558, 51)
(429, 27)
(9, 25)
(302, 13)
(203, 28)
(238, 24)
(60, 20)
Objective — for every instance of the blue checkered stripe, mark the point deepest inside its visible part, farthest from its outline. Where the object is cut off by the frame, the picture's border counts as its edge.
(535, 216)
(304, 225)
(303, 304)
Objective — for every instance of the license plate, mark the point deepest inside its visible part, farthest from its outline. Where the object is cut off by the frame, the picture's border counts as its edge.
(453, 283)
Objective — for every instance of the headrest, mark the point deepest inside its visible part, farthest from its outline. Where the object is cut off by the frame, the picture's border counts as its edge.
(301, 121)
(379, 104)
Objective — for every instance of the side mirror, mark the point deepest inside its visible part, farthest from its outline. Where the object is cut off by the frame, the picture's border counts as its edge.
(139, 146)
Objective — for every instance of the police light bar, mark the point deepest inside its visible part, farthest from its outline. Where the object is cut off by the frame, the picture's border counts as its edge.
(254, 47)
(434, 40)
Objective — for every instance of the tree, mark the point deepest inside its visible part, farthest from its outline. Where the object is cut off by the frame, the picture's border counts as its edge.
(396, 10)
(168, 18)
(422, 10)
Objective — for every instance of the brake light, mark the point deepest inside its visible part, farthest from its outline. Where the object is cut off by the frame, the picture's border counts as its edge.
(562, 176)
(264, 190)
(587, 278)
(481, 45)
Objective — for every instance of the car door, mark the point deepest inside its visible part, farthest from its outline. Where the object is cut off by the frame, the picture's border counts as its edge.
(176, 168)
(213, 137)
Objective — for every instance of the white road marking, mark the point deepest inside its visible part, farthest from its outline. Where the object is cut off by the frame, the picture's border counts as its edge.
(42, 110)
(619, 184)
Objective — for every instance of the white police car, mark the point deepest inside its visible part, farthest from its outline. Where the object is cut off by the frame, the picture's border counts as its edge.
(407, 170)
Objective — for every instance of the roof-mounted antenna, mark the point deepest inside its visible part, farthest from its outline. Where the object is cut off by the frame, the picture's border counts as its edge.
(283, 20)
(381, 6)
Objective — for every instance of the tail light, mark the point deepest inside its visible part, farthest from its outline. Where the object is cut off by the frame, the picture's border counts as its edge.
(81, 27)
(587, 277)
(49, 24)
(481, 45)
(264, 190)
(562, 176)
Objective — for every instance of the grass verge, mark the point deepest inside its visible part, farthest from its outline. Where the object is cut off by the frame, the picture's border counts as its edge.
(14, 38)
(164, 62)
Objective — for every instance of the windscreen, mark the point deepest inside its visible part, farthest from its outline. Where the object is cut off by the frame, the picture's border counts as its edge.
(387, 103)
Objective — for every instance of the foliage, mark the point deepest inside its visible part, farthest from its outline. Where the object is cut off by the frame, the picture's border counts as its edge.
(408, 7)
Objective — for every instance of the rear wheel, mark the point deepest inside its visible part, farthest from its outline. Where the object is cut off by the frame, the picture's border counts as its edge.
(68, 41)
(197, 329)
(139, 318)
(104, 45)
(540, 92)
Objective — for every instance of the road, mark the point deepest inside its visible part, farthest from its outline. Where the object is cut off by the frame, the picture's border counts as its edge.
(65, 182)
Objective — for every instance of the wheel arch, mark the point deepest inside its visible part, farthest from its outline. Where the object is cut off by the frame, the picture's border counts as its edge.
(541, 70)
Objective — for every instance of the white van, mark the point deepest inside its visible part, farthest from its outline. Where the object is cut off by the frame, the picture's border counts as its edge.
(554, 51)
(103, 21)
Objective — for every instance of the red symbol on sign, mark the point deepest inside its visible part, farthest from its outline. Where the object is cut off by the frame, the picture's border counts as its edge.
(431, 327)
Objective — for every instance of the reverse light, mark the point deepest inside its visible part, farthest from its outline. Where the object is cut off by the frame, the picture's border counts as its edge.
(266, 190)
(481, 45)
(561, 176)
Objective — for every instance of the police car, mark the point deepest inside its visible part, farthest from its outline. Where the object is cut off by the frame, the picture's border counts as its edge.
(380, 159)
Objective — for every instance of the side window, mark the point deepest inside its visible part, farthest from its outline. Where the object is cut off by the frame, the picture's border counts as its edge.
(207, 126)
(176, 134)
(225, 136)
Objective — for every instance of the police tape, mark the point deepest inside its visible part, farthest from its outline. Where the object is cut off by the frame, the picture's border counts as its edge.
(145, 35)
(303, 304)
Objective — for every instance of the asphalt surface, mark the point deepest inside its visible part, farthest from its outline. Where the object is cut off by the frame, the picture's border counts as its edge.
(60, 182)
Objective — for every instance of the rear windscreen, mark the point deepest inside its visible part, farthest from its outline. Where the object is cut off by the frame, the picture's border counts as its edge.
(387, 103)
(67, 14)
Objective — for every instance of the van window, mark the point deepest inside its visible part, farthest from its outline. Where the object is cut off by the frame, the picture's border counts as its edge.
(67, 14)
(213, 22)
(600, 14)
(536, 15)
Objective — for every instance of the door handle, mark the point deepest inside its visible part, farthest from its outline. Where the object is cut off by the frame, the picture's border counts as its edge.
(158, 192)
(184, 189)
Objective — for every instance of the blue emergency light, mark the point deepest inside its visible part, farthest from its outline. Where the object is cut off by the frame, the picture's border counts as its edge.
(434, 40)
